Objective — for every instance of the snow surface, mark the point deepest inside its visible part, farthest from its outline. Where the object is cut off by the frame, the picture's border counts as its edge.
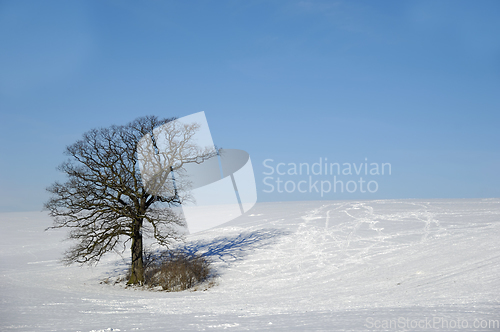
(291, 266)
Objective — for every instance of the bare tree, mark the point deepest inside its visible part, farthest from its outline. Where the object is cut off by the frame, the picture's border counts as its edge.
(106, 201)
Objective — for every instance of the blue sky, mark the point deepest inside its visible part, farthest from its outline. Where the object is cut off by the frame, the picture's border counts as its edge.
(412, 83)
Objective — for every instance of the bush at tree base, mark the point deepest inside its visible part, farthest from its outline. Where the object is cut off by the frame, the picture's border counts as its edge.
(176, 270)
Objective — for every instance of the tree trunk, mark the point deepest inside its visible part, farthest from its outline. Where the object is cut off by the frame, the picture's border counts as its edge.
(137, 268)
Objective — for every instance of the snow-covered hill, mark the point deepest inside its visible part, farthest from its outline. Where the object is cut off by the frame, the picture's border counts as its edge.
(395, 265)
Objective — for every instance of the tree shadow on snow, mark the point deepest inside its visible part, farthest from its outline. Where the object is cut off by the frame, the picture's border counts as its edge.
(225, 249)
(232, 248)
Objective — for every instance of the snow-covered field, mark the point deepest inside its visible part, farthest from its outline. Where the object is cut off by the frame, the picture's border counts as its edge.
(395, 265)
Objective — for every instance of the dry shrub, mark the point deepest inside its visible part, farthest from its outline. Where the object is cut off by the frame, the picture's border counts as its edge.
(176, 271)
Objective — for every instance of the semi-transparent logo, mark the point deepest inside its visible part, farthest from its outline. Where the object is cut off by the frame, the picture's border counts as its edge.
(179, 160)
